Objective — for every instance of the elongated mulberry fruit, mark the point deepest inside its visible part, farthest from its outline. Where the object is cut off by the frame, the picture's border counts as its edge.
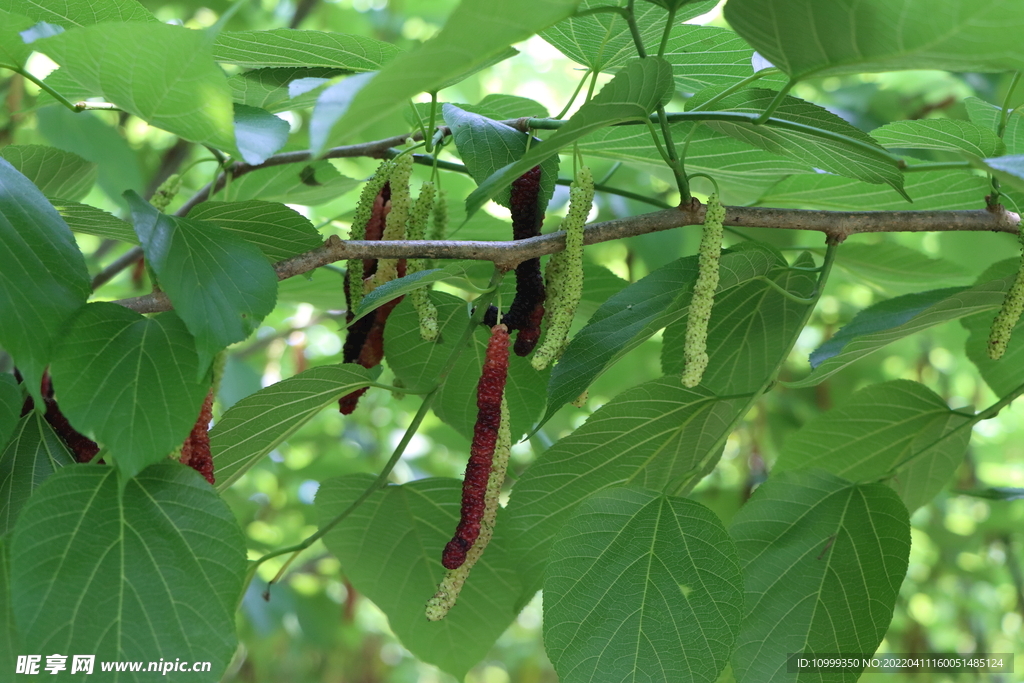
(1009, 314)
(166, 193)
(527, 309)
(425, 309)
(565, 276)
(489, 392)
(395, 224)
(372, 200)
(695, 355)
(195, 452)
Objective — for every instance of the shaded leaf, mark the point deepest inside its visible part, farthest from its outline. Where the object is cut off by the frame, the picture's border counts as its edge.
(55, 172)
(315, 183)
(390, 549)
(270, 88)
(822, 562)
(874, 433)
(331, 106)
(641, 586)
(13, 49)
(43, 281)
(33, 454)
(92, 221)
(157, 566)
(10, 406)
(896, 268)
(948, 135)
(220, 285)
(279, 231)
(287, 47)
(71, 13)
(258, 133)
(260, 422)
(390, 291)
(130, 380)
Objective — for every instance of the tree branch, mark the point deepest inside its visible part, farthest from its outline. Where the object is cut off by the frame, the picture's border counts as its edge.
(837, 226)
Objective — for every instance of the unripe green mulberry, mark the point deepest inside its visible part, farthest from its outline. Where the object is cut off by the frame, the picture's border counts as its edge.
(394, 228)
(695, 354)
(364, 209)
(565, 271)
(165, 194)
(1009, 314)
(454, 579)
(416, 231)
(439, 226)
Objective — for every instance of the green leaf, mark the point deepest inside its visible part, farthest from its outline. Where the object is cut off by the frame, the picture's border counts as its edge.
(10, 642)
(157, 567)
(33, 454)
(857, 155)
(43, 281)
(13, 50)
(163, 74)
(89, 220)
(418, 363)
(893, 319)
(988, 115)
(286, 47)
(877, 429)
(632, 316)
(55, 172)
(390, 549)
(1009, 169)
(71, 13)
(822, 562)
(805, 37)
(486, 146)
(270, 88)
(390, 291)
(258, 133)
(321, 288)
(641, 586)
(895, 268)
(220, 285)
(507, 107)
(131, 380)
(703, 56)
(279, 231)
(260, 422)
(1007, 373)
(476, 32)
(676, 4)
(751, 331)
(477, 67)
(316, 183)
(930, 191)
(659, 435)
(637, 90)
(948, 135)
(10, 406)
(331, 106)
(994, 493)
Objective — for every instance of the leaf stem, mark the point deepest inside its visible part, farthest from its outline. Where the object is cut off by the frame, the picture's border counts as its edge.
(575, 94)
(49, 90)
(668, 31)
(774, 104)
(634, 29)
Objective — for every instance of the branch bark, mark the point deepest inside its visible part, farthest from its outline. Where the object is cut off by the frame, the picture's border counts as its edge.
(837, 226)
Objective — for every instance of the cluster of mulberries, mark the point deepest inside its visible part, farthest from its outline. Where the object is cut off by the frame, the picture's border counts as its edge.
(82, 448)
(368, 220)
(195, 451)
(527, 309)
(489, 392)
(395, 223)
(166, 193)
(425, 309)
(695, 355)
(1009, 314)
(565, 272)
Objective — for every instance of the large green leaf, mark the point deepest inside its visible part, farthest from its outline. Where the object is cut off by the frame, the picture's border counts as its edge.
(279, 231)
(893, 319)
(659, 435)
(270, 89)
(286, 47)
(258, 133)
(635, 91)
(156, 568)
(390, 549)
(632, 316)
(43, 281)
(259, 422)
(988, 116)
(55, 172)
(313, 184)
(858, 156)
(752, 328)
(10, 405)
(486, 146)
(33, 454)
(220, 285)
(929, 190)
(878, 428)
(131, 380)
(10, 642)
(163, 74)
(417, 363)
(89, 220)
(948, 135)
(641, 586)
(476, 32)
(71, 13)
(1007, 373)
(13, 50)
(389, 291)
(897, 269)
(809, 37)
(822, 562)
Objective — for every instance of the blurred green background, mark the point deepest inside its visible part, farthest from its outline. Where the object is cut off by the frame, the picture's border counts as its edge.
(965, 587)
